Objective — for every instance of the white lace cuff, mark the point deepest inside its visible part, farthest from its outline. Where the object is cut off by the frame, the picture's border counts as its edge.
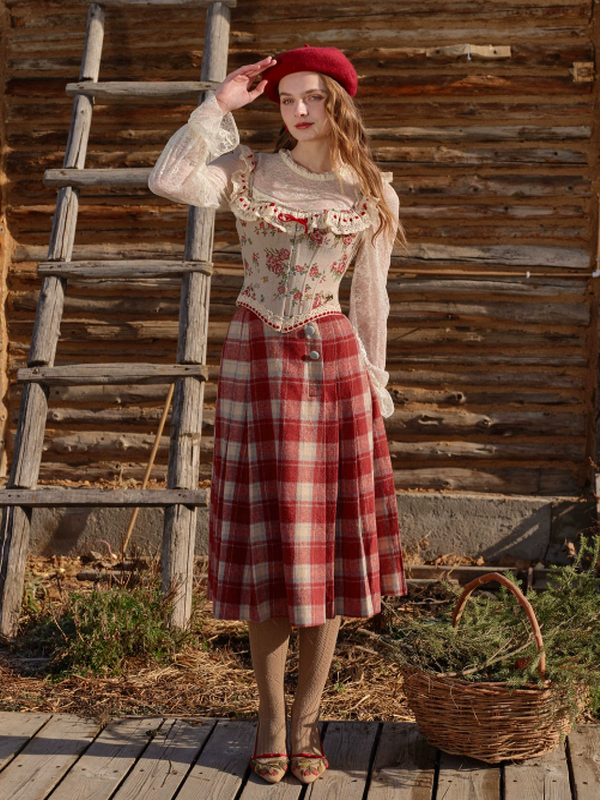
(219, 131)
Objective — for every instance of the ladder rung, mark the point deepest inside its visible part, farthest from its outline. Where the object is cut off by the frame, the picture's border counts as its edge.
(141, 90)
(61, 496)
(139, 268)
(82, 178)
(110, 374)
(172, 3)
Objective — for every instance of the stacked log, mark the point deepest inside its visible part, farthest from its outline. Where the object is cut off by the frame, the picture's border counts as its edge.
(486, 119)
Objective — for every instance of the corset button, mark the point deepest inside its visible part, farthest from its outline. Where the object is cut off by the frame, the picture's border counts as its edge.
(314, 355)
(310, 330)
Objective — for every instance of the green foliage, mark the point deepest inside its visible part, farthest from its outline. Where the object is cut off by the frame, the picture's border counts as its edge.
(494, 641)
(98, 633)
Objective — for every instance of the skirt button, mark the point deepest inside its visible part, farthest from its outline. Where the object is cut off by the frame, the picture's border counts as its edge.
(310, 330)
(314, 355)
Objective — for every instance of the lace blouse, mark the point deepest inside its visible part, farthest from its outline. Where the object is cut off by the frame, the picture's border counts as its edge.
(299, 231)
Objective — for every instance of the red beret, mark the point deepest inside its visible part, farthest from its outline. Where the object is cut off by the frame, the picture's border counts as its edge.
(326, 60)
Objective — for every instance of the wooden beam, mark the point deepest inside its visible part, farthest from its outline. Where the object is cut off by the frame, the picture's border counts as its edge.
(126, 270)
(169, 3)
(138, 91)
(131, 177)
(179, 534)
(95, 374)
(60, 497)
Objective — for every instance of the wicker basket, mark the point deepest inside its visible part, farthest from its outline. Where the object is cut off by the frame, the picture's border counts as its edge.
(488, 721)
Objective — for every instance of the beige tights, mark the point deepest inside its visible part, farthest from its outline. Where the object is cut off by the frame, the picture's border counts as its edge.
(269, 645)
(316, 652)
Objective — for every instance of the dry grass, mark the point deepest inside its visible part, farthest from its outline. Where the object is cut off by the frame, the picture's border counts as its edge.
(211, 676)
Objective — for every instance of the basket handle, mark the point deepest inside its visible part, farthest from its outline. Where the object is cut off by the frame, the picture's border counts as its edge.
(496, 576)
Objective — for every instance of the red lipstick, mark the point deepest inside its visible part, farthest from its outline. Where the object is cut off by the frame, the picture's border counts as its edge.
(303, 125)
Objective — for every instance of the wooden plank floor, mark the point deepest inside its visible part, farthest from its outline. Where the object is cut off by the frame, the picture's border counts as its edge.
(62, 757)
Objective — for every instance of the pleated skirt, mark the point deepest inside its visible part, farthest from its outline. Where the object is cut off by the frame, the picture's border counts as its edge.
(303, 517)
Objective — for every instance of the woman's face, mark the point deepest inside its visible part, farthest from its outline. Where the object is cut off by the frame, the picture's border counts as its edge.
(302, 105)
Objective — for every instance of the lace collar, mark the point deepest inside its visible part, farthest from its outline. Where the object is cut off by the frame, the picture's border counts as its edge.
(343, 172)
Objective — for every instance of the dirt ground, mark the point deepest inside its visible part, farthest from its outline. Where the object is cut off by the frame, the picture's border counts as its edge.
(211, 676)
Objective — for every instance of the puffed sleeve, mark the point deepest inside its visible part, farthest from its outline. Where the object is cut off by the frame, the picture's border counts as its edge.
(370, 305)
(182, 172)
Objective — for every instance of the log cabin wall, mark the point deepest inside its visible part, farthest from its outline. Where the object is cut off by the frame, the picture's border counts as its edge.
(487, 117)
(4, 244)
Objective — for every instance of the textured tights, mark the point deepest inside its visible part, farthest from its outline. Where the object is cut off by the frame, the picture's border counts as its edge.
(269, 645)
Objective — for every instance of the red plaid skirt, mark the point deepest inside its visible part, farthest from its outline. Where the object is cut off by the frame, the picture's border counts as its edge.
(303, 518)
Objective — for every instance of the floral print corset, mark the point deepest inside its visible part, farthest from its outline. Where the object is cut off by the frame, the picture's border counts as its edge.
(298, 230)
(293, 260)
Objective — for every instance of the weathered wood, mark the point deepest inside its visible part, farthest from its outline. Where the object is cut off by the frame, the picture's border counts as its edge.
(220, 769)
(583, 753)
(186, 424)
(164, 765)
(103, 766)
(167, 3)
(130, 177)
(44, 761)
(447, 376)
(62, 497)
(114, 470)
(348, 746)
(482, 133)
(530, 313)
(443, 154)
(489, 288)
(510, 480)
(492, 423)
(16, 730)
(548, 361)
(15, 525)
(123, 269)
(404, 766)
(125, 394)
(112, 373)
(493, 205)
(498, 398)
(446, 422)
(488, 477)
(519, 451)
(545, 778)
(130, 91)
(525, 255)
(468, 779)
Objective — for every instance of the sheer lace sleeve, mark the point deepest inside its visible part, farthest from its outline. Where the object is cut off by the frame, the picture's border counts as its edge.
(182, 173)
(370, 305)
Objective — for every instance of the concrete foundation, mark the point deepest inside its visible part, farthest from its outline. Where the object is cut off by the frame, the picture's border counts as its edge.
(490, 526)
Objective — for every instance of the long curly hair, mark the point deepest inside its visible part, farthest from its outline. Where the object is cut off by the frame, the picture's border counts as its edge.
(349, 144)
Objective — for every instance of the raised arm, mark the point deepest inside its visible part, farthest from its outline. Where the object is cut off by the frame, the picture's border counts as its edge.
(192, 168)
(370, 305)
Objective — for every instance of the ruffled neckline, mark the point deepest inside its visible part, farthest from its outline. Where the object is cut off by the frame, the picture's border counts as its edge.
(244, 205)
(306, 173)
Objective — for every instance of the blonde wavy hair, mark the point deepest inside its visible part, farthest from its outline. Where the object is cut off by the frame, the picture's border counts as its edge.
(349, 144)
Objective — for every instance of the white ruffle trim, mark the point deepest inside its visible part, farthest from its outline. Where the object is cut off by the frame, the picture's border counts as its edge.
(362, 216)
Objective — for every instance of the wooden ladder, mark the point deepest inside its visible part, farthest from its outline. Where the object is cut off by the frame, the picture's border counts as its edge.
(182, 496)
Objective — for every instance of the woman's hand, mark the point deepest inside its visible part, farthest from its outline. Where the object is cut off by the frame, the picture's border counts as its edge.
(235, 90)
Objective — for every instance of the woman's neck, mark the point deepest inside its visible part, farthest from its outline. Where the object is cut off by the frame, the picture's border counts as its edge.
(313, 156)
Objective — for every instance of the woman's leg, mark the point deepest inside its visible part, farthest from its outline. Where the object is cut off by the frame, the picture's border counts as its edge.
(317, 645)
(269, 642)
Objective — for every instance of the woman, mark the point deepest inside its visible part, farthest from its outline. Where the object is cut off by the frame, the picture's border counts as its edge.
(303, 522)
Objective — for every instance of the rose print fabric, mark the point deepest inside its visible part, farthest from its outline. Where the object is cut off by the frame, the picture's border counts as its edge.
(299, 231)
